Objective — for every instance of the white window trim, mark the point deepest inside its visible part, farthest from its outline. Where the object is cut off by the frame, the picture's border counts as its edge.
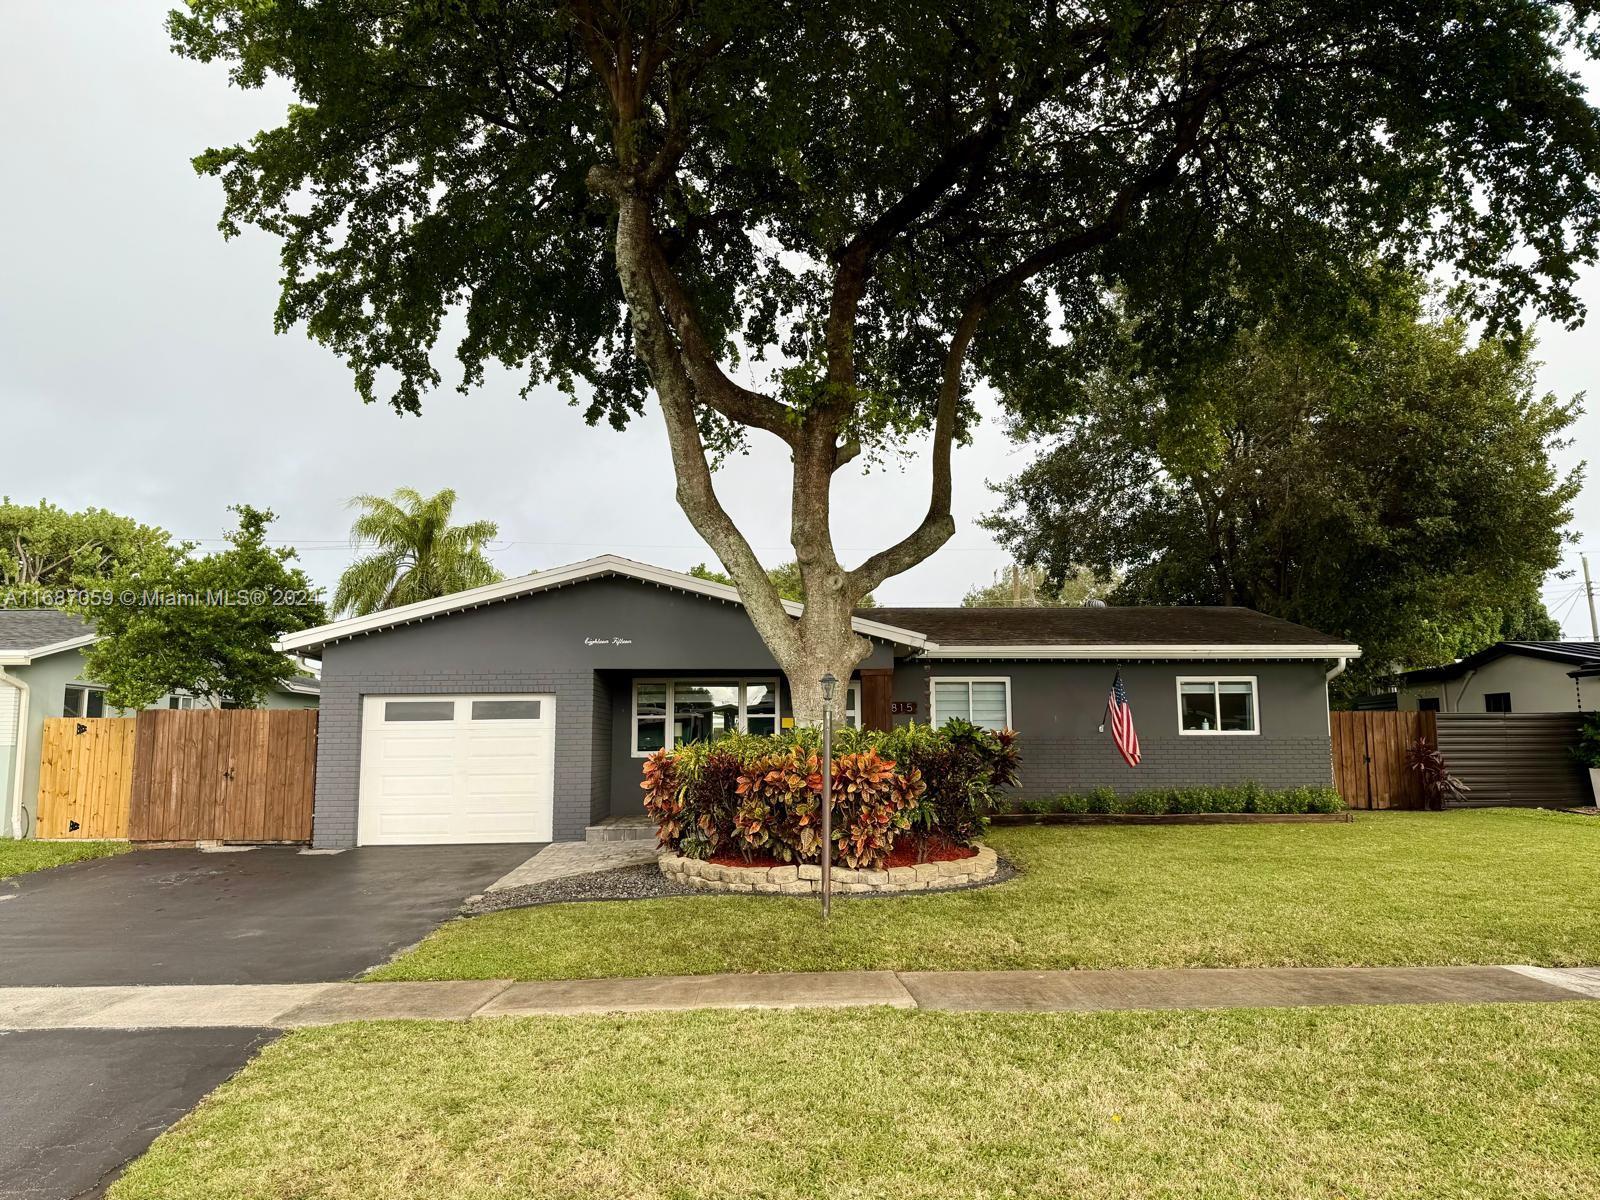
(1255, 705)
(969, 680)
(86, 689)
(668, 738)
(852, 700)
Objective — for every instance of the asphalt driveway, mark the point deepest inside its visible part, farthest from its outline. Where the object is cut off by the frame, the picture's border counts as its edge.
(268, 915)
(78, 1104)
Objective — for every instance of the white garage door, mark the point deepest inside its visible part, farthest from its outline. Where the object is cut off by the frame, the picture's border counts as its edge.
(456, 769)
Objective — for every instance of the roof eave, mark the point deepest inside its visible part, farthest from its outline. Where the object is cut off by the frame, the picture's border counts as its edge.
(312, 641)
(23, 658)
(1145, 651)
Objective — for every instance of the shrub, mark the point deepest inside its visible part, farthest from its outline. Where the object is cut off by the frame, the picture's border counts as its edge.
(1238, 798)
(1587, 750)
(752, 796)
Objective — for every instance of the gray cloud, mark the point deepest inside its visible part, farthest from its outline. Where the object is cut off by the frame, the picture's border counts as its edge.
(139, 371)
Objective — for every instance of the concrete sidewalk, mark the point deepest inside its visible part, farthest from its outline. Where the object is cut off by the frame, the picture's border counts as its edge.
(288, 1006)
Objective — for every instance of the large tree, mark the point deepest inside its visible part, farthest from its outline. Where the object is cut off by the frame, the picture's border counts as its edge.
(828, 222)
(45, 549)
(413, 552)
(202, 624)
(1394, 486)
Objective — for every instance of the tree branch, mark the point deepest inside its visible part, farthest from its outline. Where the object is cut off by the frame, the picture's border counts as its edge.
(937, 526)
(676, 391)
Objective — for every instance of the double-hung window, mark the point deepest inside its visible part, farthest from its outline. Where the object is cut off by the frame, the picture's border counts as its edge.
(675, 712)
(1218, 706)
(984, 702)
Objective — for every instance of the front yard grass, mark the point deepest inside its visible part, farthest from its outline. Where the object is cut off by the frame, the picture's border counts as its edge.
(18, 857)
(1491, 886)
(1482, 1101)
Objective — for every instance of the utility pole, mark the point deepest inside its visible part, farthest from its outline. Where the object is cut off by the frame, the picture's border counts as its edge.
(1588, 592)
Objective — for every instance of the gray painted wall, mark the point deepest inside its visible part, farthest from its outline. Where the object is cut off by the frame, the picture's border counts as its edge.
(586, 644)
(553, 642)
(1057, 708)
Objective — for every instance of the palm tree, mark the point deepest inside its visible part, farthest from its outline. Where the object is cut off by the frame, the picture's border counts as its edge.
(417, 553)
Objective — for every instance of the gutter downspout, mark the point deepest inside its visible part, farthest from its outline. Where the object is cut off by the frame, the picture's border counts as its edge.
(1338, 670)
(20, 765)
(1465, 679)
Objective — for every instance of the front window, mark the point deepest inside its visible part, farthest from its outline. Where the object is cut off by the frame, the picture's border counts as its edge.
(984, 702)
(1217, 705)
(676, 712)
(79, 701)
(1497, 702)
(851, 716)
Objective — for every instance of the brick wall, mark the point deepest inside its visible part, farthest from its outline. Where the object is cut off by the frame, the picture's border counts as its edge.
(1053, 766)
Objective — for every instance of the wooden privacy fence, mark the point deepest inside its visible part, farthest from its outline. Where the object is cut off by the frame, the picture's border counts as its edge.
(1515, 758)
(229, 775)
(1369, 757)
(85, 777)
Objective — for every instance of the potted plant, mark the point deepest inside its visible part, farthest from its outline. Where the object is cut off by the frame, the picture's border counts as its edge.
(1587, 751)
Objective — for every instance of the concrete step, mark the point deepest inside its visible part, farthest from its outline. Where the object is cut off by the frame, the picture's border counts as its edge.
(621, 829)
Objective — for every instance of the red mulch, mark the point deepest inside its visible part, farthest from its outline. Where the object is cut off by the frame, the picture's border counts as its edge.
(903, 855)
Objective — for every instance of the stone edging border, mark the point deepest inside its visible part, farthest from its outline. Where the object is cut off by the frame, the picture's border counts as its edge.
(806, 878)
(1171, 818)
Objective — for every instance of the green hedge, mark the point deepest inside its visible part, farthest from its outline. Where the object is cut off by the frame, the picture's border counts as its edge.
(1240, 798)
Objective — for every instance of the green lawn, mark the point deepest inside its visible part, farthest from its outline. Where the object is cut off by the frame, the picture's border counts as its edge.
(1416, 1102)
(1390, 888)
(20, 857)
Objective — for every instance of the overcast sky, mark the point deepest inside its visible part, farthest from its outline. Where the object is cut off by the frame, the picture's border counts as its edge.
(139, 370)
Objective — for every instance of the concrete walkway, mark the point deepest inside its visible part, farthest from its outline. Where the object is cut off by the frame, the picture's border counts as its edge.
(288, 1006)
(562, 860)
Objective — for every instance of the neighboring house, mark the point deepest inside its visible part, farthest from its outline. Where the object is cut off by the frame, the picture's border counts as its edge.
(42, 675)
(1513, 677)
(521, 711)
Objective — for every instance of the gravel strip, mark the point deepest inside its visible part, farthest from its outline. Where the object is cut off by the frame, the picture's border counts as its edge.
(648, 883)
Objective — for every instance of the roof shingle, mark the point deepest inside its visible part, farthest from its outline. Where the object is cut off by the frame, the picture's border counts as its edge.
(24, 630)
(1131, 625)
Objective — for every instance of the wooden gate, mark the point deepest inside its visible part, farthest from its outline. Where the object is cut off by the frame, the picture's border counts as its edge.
(85, 777)
(228, 775)
(1369, 757)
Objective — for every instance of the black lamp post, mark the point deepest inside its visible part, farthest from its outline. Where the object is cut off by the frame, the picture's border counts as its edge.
(829, 685)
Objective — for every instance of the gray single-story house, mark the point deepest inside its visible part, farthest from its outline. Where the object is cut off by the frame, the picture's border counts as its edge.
(42, 675)
(522, 711)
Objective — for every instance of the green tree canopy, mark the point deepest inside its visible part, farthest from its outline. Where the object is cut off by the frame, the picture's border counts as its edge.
(45, 548)
(416, 553)
(829, 222)
(1393, 487)
(1030, 586)
(787, 578)
(203, 624)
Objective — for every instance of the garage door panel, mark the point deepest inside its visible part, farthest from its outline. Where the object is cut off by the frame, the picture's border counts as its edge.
(463, 780)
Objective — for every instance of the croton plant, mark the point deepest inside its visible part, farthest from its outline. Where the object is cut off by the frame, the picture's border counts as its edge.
(755, 797)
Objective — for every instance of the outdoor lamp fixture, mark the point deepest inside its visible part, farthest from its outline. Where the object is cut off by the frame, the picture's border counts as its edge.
(829, 686)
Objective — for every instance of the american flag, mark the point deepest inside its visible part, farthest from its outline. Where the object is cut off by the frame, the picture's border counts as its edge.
(1121, 717)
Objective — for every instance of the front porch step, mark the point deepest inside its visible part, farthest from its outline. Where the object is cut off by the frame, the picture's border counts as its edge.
(621, 829)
